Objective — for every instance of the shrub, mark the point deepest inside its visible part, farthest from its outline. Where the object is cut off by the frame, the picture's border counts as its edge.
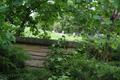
(115, 53)
(92, 49)
(12, 61)
(114, 63)
(55, 59)
(36, 74)
(83, 68)
(108, 72)
(57, 56)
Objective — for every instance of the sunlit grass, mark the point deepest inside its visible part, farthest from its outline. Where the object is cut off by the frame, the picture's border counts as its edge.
(54, 35)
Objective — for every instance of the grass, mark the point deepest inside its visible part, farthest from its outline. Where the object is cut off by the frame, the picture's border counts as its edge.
(54, 36)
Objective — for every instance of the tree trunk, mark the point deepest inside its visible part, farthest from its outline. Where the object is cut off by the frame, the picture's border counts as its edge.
(22, 24)
(68, 30)
(105, 50)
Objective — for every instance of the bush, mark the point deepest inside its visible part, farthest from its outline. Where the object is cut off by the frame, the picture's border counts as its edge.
(91, 69)
(115, 53)
(55, 59)
(57, 56)
(114, 63)
(92, 49)
(12, 61)
(80, 64)
(108, 72)
(36, 74)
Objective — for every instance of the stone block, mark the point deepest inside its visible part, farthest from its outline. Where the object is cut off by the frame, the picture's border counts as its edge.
(69, 49)
(29, 67)
(31, 47)
(38, 57)
(35, 63)
(37, 53)
(44, 48)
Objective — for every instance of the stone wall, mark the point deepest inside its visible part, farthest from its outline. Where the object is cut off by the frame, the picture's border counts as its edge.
(39, 48)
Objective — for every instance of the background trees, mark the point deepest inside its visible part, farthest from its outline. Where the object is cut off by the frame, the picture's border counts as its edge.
(70, 24)
(18, 12)
(57, 26)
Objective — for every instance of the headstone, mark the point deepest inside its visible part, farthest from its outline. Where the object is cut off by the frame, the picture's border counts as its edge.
(74, 34)
(53, 31)
(62, 32)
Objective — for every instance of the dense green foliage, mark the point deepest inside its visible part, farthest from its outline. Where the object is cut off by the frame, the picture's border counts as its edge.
(70, 24)
(12, 62)
(80, 64)
(77, 15)
(36, 74)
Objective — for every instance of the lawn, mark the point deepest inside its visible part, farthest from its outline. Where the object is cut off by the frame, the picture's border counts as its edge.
(54, 35)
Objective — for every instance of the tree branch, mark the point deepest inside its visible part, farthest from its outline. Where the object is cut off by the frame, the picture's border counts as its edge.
(22, 24)
(27, 15)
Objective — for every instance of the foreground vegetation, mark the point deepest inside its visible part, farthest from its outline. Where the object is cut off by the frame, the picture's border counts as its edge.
(82, 64)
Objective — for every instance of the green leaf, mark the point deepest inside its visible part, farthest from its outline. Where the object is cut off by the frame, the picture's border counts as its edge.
(49, 78)
(106, 4)
(64, 77)
(96, 47)
(83, 45)
(100, 51)
(116, 3)
(107, 19)
(118, 9)
(108, 22)
(26, 1)
(5, 46)
(13, 38)
(97, 17)
(114, 46)
(8, 35)
(102, 40)
(78, 1)
(94, 3)
(59, 59)
(95, 40)
(117, 22)
(52, 59)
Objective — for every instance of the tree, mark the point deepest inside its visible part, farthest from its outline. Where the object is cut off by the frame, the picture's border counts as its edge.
(100, 16)
(107, 10)
(71, 24)
(57, 26)
(18, 12)
(105, 19)
(6, 35)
